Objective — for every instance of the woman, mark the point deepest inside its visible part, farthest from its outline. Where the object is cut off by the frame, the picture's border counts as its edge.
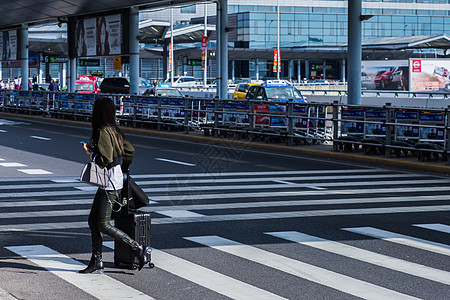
(107, 148)
(103, 39)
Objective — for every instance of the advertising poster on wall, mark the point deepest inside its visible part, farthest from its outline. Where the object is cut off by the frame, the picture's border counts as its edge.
(8, 45)
(101, 36)
(90, 27)
(385, 75)
(430, 75)
(109, 38)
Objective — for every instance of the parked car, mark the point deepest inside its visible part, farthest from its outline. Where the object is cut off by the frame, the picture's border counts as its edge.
(274, 92)
(242, 89)
(87, 84)
(164, 92)
(121, 85)
(115, 85)
(447, 86)
(182, 81)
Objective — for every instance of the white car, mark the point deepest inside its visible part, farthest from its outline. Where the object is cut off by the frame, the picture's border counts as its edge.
(447, 86)
(182, 82)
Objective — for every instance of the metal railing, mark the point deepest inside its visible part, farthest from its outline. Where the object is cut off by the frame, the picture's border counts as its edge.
(384, 130)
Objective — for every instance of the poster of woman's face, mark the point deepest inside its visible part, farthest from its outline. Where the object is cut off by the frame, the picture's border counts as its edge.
(102, 37)
(80, 39)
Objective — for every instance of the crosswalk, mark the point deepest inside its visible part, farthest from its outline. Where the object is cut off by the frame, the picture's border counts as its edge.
(284, 250)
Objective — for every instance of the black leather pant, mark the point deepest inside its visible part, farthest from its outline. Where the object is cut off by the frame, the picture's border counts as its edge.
(99, 222)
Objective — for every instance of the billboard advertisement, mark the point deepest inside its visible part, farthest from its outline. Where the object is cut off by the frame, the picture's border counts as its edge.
(430, 75)
(385, 75)
(101, 36)
(8, 44)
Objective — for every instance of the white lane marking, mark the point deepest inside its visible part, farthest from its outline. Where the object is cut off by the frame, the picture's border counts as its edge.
(315, 187)
(402, 239)
(210, 279)
(1, 130)
(300, 269)
(40, 138)
(45, 203)
(303, 214)
(215, 218)
(436, 227)
(179, 213)
(284, 180)
(34, 171)
(12, 164)
(43, 226)
(176, 162)
(99, 286)
(363, 255)
(203, 188)
(66, 180)
(48, 213)
(262, 173)
(304, 202)
(2, 159)
(279, 194)
(278, 181)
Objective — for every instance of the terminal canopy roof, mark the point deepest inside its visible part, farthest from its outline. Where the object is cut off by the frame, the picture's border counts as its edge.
(16, 13)
(440, 41)
(157, 32)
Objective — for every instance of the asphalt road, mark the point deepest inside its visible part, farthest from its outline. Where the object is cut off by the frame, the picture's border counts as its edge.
(227, 222)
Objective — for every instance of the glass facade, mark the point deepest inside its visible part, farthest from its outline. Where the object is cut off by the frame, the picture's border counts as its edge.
(327, 26)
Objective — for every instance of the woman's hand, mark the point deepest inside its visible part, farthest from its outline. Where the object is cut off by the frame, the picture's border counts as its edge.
(86, 150)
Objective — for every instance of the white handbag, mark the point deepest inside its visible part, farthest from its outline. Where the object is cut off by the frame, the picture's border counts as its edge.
(94, 174)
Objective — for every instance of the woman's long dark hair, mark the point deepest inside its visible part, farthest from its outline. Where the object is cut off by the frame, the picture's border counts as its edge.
(104, 114)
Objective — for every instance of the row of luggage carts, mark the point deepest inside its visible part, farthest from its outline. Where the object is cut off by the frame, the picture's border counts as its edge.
(400, 148)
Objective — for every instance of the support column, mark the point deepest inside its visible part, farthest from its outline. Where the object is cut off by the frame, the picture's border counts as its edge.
(257, 68)
(24, 56)
(233, 69)
(222, 41)
(324, 67)
(291, 69)
(64, 75)
(343, 75)
(307, 69)
(354, 52)
(134, 50)
(299, 71)
(71, 86)
(165, 60)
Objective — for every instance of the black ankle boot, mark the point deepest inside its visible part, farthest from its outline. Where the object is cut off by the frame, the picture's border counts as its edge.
(95, 264)
(141, 255)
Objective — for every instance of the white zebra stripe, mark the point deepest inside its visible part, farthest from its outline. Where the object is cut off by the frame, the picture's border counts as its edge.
(402, 239)
(363, 255)
(300, 269)
(210, 279)
(436, 227)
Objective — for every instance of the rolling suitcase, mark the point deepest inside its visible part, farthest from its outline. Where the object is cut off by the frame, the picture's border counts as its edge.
(137, 225)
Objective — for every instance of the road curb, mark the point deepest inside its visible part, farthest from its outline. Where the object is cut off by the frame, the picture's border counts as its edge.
(327, 153)
(4, 295)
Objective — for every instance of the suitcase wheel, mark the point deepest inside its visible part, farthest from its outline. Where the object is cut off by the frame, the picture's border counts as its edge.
(151, 265)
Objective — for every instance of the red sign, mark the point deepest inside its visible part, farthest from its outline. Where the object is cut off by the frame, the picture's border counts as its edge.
(204, 50)
(417, 66)
(170, 57)
(275, 60)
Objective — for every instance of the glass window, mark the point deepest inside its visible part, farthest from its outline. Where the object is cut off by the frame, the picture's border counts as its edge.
(301, 9)
(398, 19)
(315, 24)
(389, 11)
(285, 9)
(406, 11)
(338, 10)
(246, 8)
(188, 9)
(439, 12)
(301, 17)
(422, 12)
(264, 8)
(316, 17)
(319, 10)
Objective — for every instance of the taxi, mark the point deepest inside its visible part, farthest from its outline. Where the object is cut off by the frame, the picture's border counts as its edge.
(267, 92)
(241, 89)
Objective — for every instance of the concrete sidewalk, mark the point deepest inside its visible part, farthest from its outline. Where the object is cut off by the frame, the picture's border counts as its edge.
(4, 295)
